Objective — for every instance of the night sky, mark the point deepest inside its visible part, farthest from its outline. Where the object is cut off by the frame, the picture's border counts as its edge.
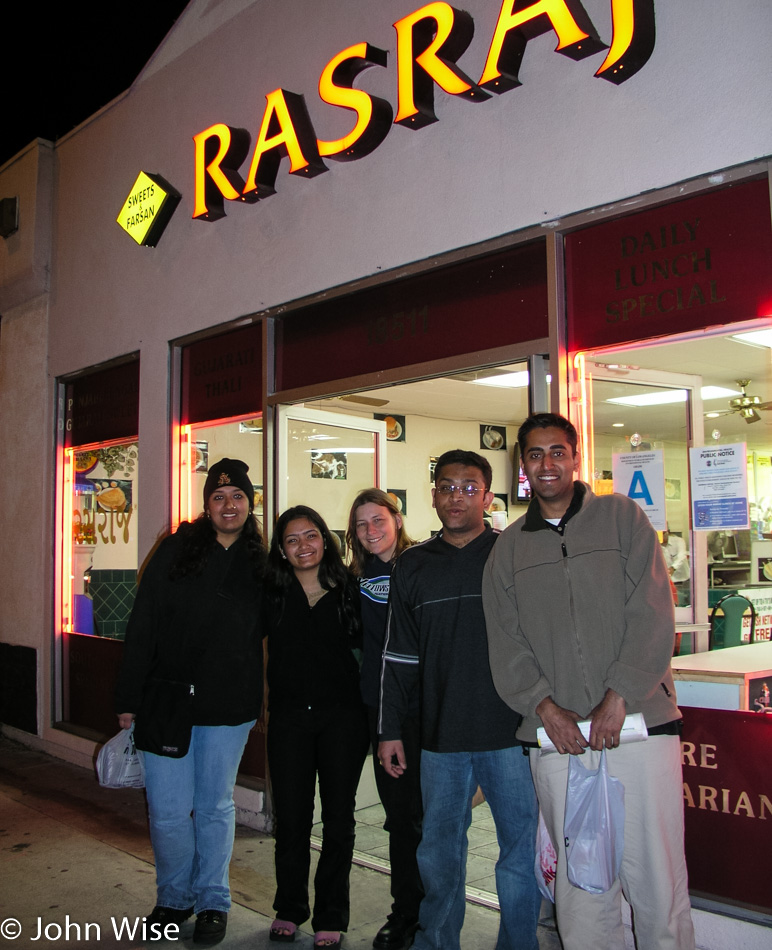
(90, 54)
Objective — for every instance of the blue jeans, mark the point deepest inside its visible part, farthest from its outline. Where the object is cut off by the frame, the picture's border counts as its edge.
(448, 783)
(193, 818)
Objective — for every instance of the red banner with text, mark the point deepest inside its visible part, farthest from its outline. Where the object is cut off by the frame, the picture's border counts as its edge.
(693, 263)
(727, 765)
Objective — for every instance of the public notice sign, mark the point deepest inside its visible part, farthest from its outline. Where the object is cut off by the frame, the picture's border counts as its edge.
(719, 478)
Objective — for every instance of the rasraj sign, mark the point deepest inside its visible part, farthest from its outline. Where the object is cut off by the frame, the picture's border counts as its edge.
(430, 42)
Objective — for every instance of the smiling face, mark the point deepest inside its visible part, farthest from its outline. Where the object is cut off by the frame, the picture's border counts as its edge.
(550, 465)
(303, 545)
(376, 529)
(461, 514)
(228, 508)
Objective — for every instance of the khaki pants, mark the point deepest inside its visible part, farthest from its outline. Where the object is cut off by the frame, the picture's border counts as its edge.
(653, 874)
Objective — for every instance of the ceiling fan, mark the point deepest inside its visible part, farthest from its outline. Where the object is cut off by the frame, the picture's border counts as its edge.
(746, 405)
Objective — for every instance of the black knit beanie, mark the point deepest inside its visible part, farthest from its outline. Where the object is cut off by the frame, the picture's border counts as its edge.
(229, 472)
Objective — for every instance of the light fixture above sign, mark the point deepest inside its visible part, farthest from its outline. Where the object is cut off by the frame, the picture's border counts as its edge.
(147, 209)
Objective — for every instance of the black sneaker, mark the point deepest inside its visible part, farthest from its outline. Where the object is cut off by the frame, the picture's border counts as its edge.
(210, 927)
(168, 915)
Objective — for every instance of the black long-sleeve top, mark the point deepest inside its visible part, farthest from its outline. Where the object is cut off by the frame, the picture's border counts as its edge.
(202, 629)
(311, 660)
(436, 644)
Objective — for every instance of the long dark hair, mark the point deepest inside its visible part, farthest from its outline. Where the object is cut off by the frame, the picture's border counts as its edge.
(200, 538)
(333, 573)
(359, 553)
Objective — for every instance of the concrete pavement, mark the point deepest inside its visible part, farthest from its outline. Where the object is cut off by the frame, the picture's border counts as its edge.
(76, 870)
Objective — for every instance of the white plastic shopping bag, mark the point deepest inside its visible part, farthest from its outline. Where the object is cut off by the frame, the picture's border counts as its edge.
(594, 826)
(119, 763)
(546, 861)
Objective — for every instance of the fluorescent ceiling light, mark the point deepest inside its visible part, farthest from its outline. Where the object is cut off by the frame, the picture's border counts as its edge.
(717, 392)
(755, 338)
(663, 397)
(506, 380)
(351, 450)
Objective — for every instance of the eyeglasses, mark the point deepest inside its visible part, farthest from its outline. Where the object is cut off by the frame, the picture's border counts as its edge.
(469, 490)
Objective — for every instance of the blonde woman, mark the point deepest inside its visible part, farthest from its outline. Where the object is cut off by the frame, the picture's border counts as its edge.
(376, 536)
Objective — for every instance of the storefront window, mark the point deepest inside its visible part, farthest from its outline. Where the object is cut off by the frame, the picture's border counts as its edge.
(713, 391)
(203, 444)
(479, 409)
(97, 559)
(220, 415)
(101, 496)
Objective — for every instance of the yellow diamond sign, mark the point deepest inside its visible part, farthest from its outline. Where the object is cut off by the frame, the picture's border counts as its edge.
(148, 208)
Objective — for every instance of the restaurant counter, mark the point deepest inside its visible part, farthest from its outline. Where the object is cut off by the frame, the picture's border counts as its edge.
(735, 678)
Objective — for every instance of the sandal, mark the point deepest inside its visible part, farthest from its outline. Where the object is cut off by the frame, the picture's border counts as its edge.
(282, 931)
(327, 939)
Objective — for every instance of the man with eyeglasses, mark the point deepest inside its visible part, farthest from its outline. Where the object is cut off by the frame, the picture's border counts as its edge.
(436, 649)
(580, 627)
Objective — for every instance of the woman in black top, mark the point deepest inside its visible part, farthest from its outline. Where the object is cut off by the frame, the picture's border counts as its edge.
(196, 622)
(317, 722)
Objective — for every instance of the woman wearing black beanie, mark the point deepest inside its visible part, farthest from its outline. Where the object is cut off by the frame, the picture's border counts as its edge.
(192, 675)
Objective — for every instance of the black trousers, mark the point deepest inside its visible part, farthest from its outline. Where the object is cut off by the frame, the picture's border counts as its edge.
(401, 799)
(330, 743)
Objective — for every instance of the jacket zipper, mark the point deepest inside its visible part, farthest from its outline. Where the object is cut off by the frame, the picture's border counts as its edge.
(571, 606)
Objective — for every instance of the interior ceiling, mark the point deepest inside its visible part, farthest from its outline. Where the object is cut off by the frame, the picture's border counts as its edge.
(720, 361)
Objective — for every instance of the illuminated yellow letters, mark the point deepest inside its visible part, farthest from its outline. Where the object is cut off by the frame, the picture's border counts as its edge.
(577, 37)
(374, 115)
(220, 150)
(286, 130)
(429, 41)
(633, 41)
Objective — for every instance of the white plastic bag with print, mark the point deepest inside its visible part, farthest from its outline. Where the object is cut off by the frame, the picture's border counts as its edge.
(594, 826)
(119, 763)
(546, 861)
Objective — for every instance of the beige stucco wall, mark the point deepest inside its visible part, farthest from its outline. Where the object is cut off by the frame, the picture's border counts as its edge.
(26, 436)
(562, 142)
(25, 255)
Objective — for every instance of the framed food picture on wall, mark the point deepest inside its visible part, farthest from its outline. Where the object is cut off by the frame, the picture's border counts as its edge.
(500, 503)
(339, 536)
(395, 426)
(201, 453)
(399, 497)
(493, 438)
(329, 465)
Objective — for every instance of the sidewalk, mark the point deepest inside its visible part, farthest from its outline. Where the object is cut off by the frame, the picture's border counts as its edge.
(76, 868)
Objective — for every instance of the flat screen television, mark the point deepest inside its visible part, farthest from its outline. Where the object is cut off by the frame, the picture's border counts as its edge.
(521, 489)
(729, 548)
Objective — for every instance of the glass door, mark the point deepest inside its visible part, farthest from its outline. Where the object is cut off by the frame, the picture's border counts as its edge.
(626, 410)
(325, 458)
